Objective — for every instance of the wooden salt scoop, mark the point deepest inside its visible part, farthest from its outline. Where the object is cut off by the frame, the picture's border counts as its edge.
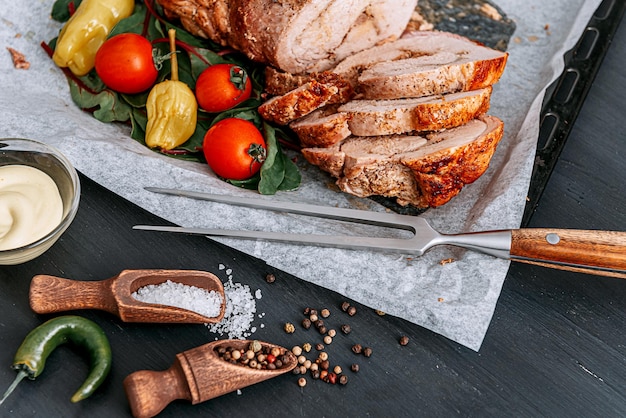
(197, 375)
(50, 294)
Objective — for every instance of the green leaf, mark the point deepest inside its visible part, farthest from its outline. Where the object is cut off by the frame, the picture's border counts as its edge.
(105, 105)
(132, 24)
(138, 120)
(273, 169)
(293, 178)
(61, 9)
(250, 184)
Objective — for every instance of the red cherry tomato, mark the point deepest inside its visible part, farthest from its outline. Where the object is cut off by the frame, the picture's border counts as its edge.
(234, 149)
(222, 86)
(125, 64)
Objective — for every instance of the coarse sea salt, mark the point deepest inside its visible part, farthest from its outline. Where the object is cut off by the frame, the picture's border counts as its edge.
(239, 312)
(183, 296)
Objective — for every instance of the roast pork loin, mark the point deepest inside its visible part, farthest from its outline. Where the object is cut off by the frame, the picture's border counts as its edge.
(432, 113)
(420, 171)
(297, 36)
(322, 128)
(422, 63)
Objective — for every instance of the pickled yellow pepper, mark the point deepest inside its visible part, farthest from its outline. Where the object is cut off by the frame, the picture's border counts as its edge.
(85, 32)
(172, 109)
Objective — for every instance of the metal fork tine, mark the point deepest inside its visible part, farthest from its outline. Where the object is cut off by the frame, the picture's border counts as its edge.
(391, 220)
(351, 242)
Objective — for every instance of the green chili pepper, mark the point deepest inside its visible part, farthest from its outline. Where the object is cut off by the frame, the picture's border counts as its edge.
(31, 356)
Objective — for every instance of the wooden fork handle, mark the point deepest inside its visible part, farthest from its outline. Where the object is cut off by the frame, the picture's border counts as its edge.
(587, 251)
(50, 294)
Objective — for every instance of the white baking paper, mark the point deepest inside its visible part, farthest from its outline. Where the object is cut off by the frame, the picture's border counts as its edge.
(456, 299)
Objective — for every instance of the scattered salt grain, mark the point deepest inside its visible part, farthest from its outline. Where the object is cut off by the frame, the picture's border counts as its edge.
(183, 296)
(239, 313)
(257, 294)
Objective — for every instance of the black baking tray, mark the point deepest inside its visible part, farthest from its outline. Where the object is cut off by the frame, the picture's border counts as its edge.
(565, 96)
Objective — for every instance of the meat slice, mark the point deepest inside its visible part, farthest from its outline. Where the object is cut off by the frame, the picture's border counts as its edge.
(297, 103)
(355, 151)
(433, 113)
(322, 128)
(421, 64)
(279, 83)
(297, 36)
(423, 172)
(450, 63)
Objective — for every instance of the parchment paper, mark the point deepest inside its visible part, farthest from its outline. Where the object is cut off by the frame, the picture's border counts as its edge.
(456, 299)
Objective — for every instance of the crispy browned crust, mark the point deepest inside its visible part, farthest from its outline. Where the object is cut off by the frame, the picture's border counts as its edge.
(429, 180)
(322, 128)
(441, 176)
(366, 118)
(297, 103)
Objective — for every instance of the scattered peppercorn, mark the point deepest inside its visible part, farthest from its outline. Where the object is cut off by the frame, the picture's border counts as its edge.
(307, 311)
(328, 339)
(306, 347)
(270, 278)
(302, 382)
(323, 356)
(313, 318)
(306, 323)
(332, 378)
(319, 346)
(332, 333)
(379, 312)
(325, 365)
(404, 340)
(351, 311)
(296, 350)
(289, 328)
(355, 367)
(318, 323)
(346, 329)
(343, 379)
(367, 351)
(315, 374)
(322, 329)
(345, 306)
(337, 369)
(357, 348)
(325, 313)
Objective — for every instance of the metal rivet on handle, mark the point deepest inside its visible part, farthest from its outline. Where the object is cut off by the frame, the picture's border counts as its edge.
(553, 238)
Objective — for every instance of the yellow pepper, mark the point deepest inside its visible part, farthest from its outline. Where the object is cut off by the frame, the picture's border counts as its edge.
(172, 109)
(85, 32)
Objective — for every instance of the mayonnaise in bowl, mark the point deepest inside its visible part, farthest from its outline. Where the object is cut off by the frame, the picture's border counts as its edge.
(30, 205)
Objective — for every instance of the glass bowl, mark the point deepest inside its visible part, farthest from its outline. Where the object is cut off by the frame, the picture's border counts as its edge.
(17, 151)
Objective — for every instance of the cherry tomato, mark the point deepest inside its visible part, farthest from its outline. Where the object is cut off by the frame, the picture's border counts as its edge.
(222, 86)
(125, 64)
(234, 149)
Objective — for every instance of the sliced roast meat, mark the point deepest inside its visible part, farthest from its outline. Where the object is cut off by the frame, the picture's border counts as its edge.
(322, 128)
(433, 113)
(422, 64)
(420, 172)
(445, 63)
(297, 36)
(279, 83)
(297, 103)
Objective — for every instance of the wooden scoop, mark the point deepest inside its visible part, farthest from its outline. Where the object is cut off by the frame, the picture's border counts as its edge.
(50, 294)
(197, 375)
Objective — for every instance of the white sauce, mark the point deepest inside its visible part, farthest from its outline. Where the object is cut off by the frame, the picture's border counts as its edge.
(30, 205)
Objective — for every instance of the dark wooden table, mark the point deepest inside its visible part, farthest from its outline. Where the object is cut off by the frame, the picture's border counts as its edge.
(556, 346)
